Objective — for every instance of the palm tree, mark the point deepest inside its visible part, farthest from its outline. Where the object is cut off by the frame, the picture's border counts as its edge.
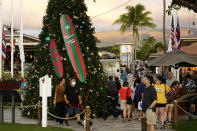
(135, 18)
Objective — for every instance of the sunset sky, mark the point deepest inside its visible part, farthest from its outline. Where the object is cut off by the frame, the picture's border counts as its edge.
(34, 10)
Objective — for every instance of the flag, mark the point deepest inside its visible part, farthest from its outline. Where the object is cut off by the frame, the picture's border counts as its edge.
(13, 44)
(178, 35)
(21, 50)
(171, 45)
(4, 49)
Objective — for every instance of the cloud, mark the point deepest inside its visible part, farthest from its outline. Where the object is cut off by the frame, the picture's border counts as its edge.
(34, 10)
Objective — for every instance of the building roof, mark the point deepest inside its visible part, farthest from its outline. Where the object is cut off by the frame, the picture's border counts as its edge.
(125, 44)
(192, 49)
(7, 31)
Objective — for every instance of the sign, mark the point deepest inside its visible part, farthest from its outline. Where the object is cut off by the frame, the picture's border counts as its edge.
(72, 47)
(125, 49)
(45, 82)
(56, 59)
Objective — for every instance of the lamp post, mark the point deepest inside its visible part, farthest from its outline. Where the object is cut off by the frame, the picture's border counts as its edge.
(127, 57)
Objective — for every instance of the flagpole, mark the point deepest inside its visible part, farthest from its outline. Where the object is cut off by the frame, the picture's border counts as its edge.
(1, 39)
(21, 40)
(12, 39)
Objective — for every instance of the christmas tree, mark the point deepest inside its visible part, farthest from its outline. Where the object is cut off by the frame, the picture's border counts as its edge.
(92, 90)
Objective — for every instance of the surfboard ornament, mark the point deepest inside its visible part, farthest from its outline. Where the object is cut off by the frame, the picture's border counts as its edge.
(72, 47)
(56, 59)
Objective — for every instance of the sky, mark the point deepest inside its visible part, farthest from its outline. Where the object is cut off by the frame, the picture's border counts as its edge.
(34, 10)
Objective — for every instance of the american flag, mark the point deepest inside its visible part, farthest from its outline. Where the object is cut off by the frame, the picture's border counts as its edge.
(4, 49)
(171, 45)
(178, 40)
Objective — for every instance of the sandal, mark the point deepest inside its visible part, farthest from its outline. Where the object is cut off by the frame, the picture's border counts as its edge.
(162, 127)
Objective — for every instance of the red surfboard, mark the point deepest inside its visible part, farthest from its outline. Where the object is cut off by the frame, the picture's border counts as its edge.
(72, 47)
(56, 59)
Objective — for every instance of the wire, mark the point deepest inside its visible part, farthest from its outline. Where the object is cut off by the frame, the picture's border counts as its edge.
(111, 9)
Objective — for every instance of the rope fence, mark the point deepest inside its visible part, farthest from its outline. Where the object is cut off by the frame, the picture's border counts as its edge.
(65, 118)
(23, 106)
(185, 111)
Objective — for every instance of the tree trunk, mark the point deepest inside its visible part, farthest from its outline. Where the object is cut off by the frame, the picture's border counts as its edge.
(164, 22)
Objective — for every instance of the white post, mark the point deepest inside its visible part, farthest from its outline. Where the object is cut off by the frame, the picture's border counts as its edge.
(44, 103)
(0, 39)
(21, 40)
(12, 39)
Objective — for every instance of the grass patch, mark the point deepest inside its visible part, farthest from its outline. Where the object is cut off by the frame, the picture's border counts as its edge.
(186, 126)
(20, 127)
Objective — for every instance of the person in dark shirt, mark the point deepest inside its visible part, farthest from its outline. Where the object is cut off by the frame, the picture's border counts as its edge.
(149, 103)
(73, 100)
(139, 92)
(111, 83)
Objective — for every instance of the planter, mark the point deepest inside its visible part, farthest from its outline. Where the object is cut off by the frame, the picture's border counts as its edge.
(9, 85)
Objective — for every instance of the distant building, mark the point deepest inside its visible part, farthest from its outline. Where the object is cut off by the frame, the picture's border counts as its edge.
(126, 54)
(30, 43)
(109, 62)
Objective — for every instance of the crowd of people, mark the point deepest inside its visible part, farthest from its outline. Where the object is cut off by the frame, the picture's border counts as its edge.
(151, 96)
(139, 95)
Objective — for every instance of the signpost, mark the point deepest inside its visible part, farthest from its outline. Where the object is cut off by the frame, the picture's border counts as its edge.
(45, 91)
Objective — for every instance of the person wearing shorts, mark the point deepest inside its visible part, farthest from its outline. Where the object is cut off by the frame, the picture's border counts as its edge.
(123, 93)
(161, 89)
(149, 102)
(73, 100)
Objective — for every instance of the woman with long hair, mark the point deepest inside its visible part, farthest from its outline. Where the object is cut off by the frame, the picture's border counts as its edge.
(59, 101)
(169, 107)
(139, 92)
(125, 92)
(161, 89)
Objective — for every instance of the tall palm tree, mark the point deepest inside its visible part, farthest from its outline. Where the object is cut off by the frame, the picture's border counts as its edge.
(135, 18)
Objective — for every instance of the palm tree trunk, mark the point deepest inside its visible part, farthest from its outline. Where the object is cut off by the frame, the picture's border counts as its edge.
(164, 22)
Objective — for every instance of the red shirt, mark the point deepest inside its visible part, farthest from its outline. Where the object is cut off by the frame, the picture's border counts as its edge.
(123, 93)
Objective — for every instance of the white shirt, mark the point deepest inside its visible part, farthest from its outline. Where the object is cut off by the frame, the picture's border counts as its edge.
(118, 74)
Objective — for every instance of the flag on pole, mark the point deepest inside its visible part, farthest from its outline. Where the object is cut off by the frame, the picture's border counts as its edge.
(4, 49)
(178, 35)
(171, 45)
(13, 45)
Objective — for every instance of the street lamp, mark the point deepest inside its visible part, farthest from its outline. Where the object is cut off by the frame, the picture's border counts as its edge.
(127, 57)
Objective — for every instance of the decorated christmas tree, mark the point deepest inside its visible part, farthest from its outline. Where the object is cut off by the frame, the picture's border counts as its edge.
(92, 90)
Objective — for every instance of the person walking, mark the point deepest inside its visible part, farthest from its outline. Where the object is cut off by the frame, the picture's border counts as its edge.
(174, 93)
(73, 100)
(125, 92)
(139, 92)
(170, 79)
(149, 102)
(24, 86)
(124, 76)
(59, 101)
(161, 89)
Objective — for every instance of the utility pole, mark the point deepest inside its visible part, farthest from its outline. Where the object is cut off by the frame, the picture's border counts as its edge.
(164, 25)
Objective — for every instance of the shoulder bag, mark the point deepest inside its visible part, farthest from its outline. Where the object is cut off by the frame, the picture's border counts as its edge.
(129, 100)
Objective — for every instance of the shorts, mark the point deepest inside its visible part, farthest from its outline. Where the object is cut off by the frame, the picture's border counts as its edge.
(170, 105)
(71, 110)
(161, 105)
(124, 105)
(150, 116)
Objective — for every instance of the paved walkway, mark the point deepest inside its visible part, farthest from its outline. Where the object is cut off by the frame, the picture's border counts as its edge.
(111, 124)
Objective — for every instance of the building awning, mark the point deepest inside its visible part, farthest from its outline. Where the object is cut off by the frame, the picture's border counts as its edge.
(176, 57)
